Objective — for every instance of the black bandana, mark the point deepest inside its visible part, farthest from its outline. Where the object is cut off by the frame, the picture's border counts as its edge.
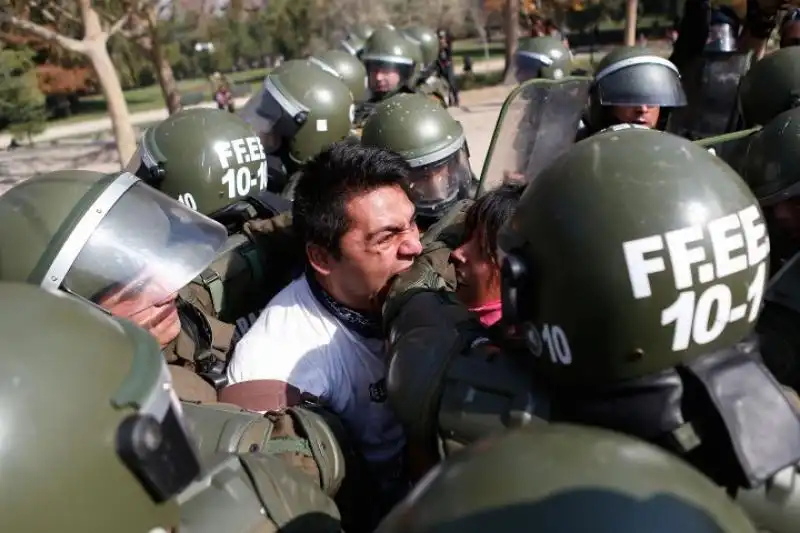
(366, 325)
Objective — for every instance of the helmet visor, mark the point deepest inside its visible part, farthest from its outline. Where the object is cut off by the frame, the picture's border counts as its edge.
(652, 84)
(720, 39)
(135, 249)
(154, 442)
(436, 186)
(141, 164)
(266, 115)
(529, 65)
(385, 75)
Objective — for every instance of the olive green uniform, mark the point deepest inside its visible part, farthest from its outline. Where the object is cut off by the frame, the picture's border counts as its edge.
(429, 82)
(107, 447)
(618, 360)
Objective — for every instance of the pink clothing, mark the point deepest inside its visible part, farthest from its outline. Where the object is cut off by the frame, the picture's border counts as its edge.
(489, 313)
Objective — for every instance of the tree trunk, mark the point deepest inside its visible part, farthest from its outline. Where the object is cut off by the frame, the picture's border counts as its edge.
(166, 78)
(115, 99)
(511, 29)
(631, 11)
(96, 42)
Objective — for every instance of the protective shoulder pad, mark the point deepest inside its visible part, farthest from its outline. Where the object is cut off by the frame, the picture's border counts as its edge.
(253, 492)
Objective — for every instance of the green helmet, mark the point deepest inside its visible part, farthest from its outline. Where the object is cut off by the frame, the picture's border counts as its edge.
(93, 434)
(542, 57)
(347, 68)
(204, 158)
(352, 45)
(770, 87)
(361, 31)
(110, 239)
(392, 61)
(634, 76)
(633, 252)
(432, 142)
(301, 110)
(565, 479)
(770, 164)
(427, 40)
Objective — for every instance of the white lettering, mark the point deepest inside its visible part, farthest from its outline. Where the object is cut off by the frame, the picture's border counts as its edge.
(723, 241)
(639, 268)
(736, 241)
(255, 149)
(240, 150)
(224, 153)
(755, 234)
(682, 256)
(557, 345)
(188, 200)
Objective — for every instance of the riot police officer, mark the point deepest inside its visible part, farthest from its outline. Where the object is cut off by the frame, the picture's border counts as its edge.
(432, 142)
(214, 162)
(393, 63)
(300, 110)
(770, 87)
(432, 81)
(120, 244)
(565, 479)
(96, 439)
(211, 162)
(348, 68)
(646, 352)
(632, 85)
(541, 57)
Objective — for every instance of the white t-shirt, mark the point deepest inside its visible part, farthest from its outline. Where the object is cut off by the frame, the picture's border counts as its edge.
(296, 340)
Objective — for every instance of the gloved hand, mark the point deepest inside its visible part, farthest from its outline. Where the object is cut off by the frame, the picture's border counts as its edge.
(431, 271)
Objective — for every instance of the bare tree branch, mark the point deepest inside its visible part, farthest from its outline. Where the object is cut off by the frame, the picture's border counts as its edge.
(47, 34)
(117, 26)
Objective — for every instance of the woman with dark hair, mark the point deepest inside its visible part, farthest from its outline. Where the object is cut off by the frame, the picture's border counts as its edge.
(444, 62)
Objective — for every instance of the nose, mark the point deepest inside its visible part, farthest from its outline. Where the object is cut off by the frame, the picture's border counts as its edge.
(411, 245)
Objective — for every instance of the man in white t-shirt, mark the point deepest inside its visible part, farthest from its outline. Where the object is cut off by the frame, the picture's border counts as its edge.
(322, 333)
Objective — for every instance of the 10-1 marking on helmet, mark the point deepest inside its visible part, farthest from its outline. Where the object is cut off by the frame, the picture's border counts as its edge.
(738, 241)
(239, 180)
(557, 344)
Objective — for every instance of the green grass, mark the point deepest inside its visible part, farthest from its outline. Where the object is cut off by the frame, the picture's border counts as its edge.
(149, 98)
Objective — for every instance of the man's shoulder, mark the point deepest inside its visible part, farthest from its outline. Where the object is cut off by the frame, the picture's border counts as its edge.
(292, 319)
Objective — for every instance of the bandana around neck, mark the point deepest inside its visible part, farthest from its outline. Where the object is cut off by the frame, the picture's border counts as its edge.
(366, 325)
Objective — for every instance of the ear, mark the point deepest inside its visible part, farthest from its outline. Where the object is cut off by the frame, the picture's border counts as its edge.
(319, 259)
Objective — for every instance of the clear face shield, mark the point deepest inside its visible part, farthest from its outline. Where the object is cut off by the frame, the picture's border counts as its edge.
(387, 74)
(637, 81)
(145, 167)
(720, 39)
(134, 248)
(153, 442)
(436, 186)
(529, 65)
(269, 114)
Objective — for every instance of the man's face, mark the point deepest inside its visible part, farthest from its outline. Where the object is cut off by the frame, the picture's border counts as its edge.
(384, 78)
(133, 302)
(478, 276)
(642, 115)
(382, 241)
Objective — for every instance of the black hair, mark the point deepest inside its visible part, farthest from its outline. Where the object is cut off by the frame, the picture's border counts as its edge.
(488, 214)
(331, 179)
